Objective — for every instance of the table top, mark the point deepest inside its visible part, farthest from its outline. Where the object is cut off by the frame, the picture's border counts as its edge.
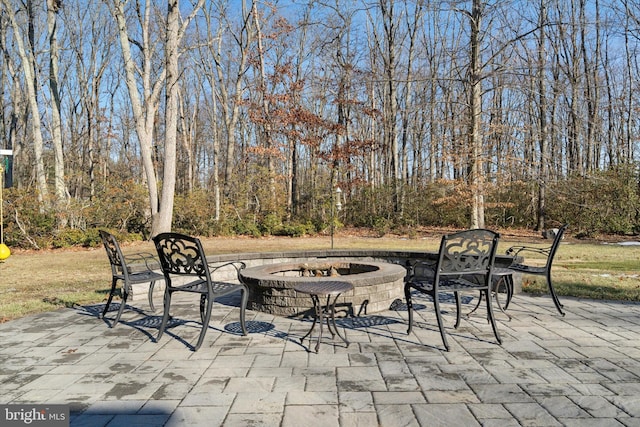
(323, 287)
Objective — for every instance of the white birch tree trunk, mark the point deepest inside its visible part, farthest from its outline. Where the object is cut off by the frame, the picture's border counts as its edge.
(162, 222)
(143, 112)
(56, 123)
(175, 32)
(28, 61)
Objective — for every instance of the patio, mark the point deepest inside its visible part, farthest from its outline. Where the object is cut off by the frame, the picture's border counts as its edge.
(583, 369)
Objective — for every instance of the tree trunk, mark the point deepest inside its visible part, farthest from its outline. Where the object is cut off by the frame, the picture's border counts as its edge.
(165, 212)
(28, 63)
(56, 125)
(391, 110)
(231, 120)
(542, 112)
(475, 111)
(17, 110)
(162, 223)
(189, 130)
(143, 113)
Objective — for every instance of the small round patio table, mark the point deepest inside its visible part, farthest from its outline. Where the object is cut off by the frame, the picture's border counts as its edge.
(328, 289)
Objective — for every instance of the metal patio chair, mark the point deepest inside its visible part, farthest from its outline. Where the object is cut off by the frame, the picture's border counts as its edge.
(130, 269)
(550, 253)
(465, 264)
(185, 269)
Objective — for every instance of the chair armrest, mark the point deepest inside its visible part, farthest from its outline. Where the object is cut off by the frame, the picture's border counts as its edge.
(238, 265)
(516, 250)
(150, 261)
(415, 266)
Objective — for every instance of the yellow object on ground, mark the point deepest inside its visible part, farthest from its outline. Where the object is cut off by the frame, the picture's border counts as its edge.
(4, 252)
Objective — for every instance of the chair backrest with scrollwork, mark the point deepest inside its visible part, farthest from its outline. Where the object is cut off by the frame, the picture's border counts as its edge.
(181, 255)
(116, 259)
(467, 252)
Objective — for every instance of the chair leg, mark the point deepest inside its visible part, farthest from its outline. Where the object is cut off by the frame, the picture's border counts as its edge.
(205, 322)
(243, 309)
(407, 296)
(151, 286)
(165, 315)
(556, 301)
(436, 304)
(496, 293)
(477, 305)
(114, 282)
(458, 309)
(508, 281)
(203, 301)
(492, 318)
(125, 296)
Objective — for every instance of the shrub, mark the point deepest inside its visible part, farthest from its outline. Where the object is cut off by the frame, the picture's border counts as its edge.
(123, 207)
(295, 229)
(246, 228)
(68, 237)
(194, 214)
(603, 202)
(509, 205)
(26, 225)
(270, 224)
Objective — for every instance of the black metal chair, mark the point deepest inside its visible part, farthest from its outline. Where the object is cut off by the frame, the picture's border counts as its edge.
(130, 269)
(550, 253)
(465, 263)
(185, 269)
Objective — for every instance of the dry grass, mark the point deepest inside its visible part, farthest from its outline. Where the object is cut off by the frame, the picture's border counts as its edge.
(32, 282)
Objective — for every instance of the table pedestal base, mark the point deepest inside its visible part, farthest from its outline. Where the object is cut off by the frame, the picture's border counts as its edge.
(327, 311)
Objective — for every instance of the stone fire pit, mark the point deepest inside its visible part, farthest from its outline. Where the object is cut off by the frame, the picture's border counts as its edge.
(376, 285)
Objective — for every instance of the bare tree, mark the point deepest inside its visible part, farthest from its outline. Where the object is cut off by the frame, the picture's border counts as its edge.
(223, 60)
(144, 110)
(162, 222)
(144, 105)
(542, 115)
(16, 121)
(174, 35)
(53, 7)
(90, 34)
(28, 61)
(474, 79)
(387, 45)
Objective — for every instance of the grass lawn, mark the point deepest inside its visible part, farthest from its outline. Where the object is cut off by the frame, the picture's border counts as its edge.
(37, 281)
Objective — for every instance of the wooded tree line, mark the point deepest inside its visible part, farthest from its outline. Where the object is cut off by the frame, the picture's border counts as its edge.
(245, 115)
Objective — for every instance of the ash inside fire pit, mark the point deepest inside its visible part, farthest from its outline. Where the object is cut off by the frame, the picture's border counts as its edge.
(376, 285)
